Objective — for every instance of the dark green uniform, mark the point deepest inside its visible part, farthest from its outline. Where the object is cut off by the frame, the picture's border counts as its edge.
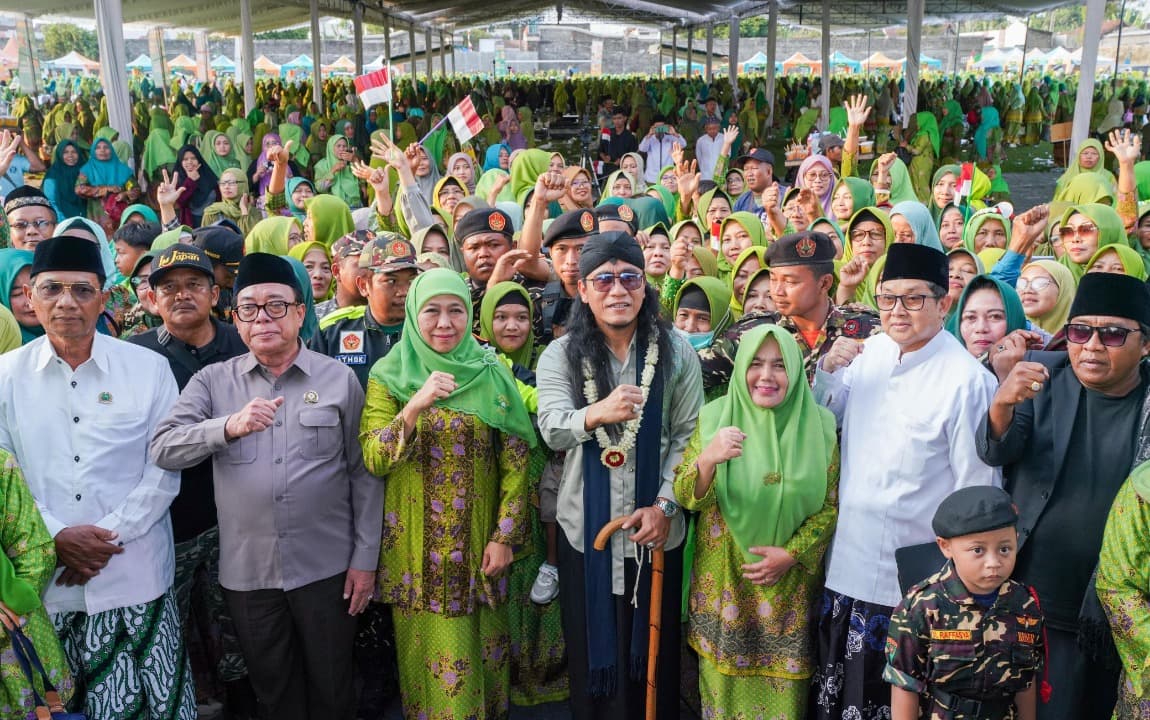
(718, 360)
(965, 661)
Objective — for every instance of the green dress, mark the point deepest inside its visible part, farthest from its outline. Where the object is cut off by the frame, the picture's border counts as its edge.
(755, 642)
(455, 486)
(28, 545)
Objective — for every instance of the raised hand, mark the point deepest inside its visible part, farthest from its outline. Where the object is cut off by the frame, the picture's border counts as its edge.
(841, 354)
(727, 444)
(550, 186)
(1028, 229)
(257, 416)
(169, 189)
(853, 273)
(1125, 146)
(858, 110)
(770, 197)
(376, 177)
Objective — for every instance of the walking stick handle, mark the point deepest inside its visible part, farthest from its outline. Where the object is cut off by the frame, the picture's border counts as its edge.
(608, 530)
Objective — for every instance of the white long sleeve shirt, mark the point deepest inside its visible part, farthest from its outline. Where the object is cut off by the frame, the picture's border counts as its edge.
(707, 152)
(81, 438)
(908, 429)
(658, 154)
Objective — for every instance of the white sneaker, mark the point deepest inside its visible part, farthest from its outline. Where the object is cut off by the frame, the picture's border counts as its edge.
(546, 586)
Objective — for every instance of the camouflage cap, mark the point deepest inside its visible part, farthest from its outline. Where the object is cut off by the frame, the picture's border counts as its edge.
(388, 252)
(351, 245)
(974, 510)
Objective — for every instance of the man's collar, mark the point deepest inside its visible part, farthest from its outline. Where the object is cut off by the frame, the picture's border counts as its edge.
(47, 353)
(302, 360)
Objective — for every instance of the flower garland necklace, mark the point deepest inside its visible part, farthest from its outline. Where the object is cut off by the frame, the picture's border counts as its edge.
(615, 454)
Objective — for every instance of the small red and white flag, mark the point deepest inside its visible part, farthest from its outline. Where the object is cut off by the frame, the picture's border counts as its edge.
(963, 188)
(465, 121)
(374, 88)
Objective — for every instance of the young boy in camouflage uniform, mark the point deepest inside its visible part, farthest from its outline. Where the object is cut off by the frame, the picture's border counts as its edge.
(967, 642)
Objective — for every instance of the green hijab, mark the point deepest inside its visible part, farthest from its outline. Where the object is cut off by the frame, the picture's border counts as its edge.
(1111, 231)
(1076, 169)
(142, 210)
(331, 218)
(487, 308)
(310, 323)
(707, 261)
(270, 235)
(1015, 315)
(862, 193)
(928, 124)
(704, 205)
(1128, 256)
(610, 183)
(487, 182)
(753, 251)
(528, 166)
(455, 255)
(780, 480)
(217, 163)
(484, 386)
(300, 251)
(12, 261)
(1088, 188)
(901, 189)
(864, 293)
(975, 223)
(718, 297)
(1054, 320)
(754, 227)
(344, 184)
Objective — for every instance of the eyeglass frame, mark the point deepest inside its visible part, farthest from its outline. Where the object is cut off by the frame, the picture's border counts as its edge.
(265, 307)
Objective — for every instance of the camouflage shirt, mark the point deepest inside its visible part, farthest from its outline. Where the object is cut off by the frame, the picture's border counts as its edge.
(853, 321)
(942, 640)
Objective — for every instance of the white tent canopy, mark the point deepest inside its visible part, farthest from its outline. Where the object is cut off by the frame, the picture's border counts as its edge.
(73, 61)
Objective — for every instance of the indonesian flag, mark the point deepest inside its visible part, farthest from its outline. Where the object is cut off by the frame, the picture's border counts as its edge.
(465, 121)
(963, 190)
(605, 135)
(374, 88)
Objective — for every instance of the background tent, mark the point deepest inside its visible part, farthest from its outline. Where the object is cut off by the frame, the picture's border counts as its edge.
(263, 66)
(342, 66)
(755, 63)
(878, 61)
(224, 64)
(801, 64)
(681, 68)
(183, 62)
(142, 63)
(301, 63)
(929, 62)
(74, 62)
(842, 63)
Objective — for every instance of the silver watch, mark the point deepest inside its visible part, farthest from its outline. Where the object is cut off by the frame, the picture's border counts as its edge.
(669, 508)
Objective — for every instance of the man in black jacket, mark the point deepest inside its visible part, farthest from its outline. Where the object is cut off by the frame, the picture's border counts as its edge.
(1065, 428)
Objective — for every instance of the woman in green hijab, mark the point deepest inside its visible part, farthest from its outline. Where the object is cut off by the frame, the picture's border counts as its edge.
(444, 422)
(986, 229)
(333, 174)
(316, 260)
(943, 185)
(328, 219)
(714, 206)
(925, 146)
(869, 234)
(1119, 259)
(747, 264)
(987, 311)
(235, 204)
(505, 321)
(1083, 230)
(15, 267)
(762, 472)
(1090, 159)
(1047, 290)
(219, 152)
(619, 184)
(738, 232)
(1088, 188)
(850, 194)
(702, 310)
(275, 235)
(900, 188)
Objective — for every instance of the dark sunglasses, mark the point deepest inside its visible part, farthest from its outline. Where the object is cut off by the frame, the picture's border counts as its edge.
(1110, 335)
(631, 281)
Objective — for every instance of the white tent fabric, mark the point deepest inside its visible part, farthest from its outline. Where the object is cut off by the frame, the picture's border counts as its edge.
(142, 62)
(73, 61)
(110, 35)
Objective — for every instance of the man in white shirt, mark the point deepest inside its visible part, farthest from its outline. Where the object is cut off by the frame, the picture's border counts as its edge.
(657, 147)
(78, 409)
(709, 147)
(909, 407)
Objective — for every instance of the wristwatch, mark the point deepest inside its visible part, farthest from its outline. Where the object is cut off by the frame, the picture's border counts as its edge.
(669, 508)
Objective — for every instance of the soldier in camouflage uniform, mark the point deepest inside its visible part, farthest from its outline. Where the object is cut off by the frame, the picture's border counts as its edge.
(967, 643)
(802, 272)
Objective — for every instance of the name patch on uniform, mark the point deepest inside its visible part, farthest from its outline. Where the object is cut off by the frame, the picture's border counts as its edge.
(1024, 621)
(1026, 638)
(950, 635)
(351, 341)
(352, 358)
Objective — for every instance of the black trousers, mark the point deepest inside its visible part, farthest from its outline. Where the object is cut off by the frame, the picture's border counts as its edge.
(298, 648)
(629, 700)
(1083, 689)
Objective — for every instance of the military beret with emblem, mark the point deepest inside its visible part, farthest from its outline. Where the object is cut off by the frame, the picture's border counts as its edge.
(484, 220)
(388, 252)
(802, 248)
(571, 225)
(974, 510)
(618, 213)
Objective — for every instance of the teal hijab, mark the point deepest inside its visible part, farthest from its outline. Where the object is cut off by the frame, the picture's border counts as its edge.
(310, 323)
(1015, 314)
(11, 263)
(919, 219)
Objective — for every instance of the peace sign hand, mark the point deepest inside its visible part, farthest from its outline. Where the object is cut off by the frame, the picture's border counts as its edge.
(169, 190)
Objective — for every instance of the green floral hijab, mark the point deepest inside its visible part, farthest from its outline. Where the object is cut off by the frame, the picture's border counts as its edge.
(780, 480)
(491, 299)
(484, 386)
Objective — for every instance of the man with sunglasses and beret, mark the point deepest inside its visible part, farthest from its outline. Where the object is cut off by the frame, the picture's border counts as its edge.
(1066, 427)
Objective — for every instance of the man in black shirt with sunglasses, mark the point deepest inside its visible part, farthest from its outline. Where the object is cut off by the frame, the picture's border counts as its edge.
(1066, 428)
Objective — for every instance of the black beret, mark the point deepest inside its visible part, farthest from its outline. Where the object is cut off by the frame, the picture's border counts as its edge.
(916, 262)
(25, 196)
(804, 248)
(571, 225)
(260, 268)
(608, 246)
(1112, 295)
(618, 213)
(222, 244)
(974, 510)
(484, 220)
(68, 252)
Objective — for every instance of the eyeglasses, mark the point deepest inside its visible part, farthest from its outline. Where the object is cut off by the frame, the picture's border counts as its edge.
(1067, 232)
(192, 287)
(1037, 284)
(631, 281)
(581, 184)
(817, 177)
(275, 310)
(1109, 335)
(913, 303)
(81, 292)
(864, 234)
(23, 225)
(228, 183)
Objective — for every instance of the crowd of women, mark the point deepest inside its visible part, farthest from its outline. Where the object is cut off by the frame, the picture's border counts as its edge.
(293, 179)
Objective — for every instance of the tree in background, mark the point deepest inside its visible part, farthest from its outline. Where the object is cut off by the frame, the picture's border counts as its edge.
(62, 38)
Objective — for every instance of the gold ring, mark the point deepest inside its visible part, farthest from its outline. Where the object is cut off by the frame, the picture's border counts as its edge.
(1035, 386)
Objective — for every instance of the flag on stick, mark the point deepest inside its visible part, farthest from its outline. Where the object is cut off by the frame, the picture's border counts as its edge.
(374, 88)
(465, 121)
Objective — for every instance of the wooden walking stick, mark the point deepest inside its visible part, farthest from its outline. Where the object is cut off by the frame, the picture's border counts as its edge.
(655, 618)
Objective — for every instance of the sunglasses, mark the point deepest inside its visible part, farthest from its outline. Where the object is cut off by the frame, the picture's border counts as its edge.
(1066, 232)
(631, 281)
(1109, 335)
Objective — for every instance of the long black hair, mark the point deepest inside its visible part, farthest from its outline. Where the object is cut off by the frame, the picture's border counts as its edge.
(586, 343)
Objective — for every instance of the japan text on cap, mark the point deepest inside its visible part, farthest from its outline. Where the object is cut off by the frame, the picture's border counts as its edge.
(179, 256)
